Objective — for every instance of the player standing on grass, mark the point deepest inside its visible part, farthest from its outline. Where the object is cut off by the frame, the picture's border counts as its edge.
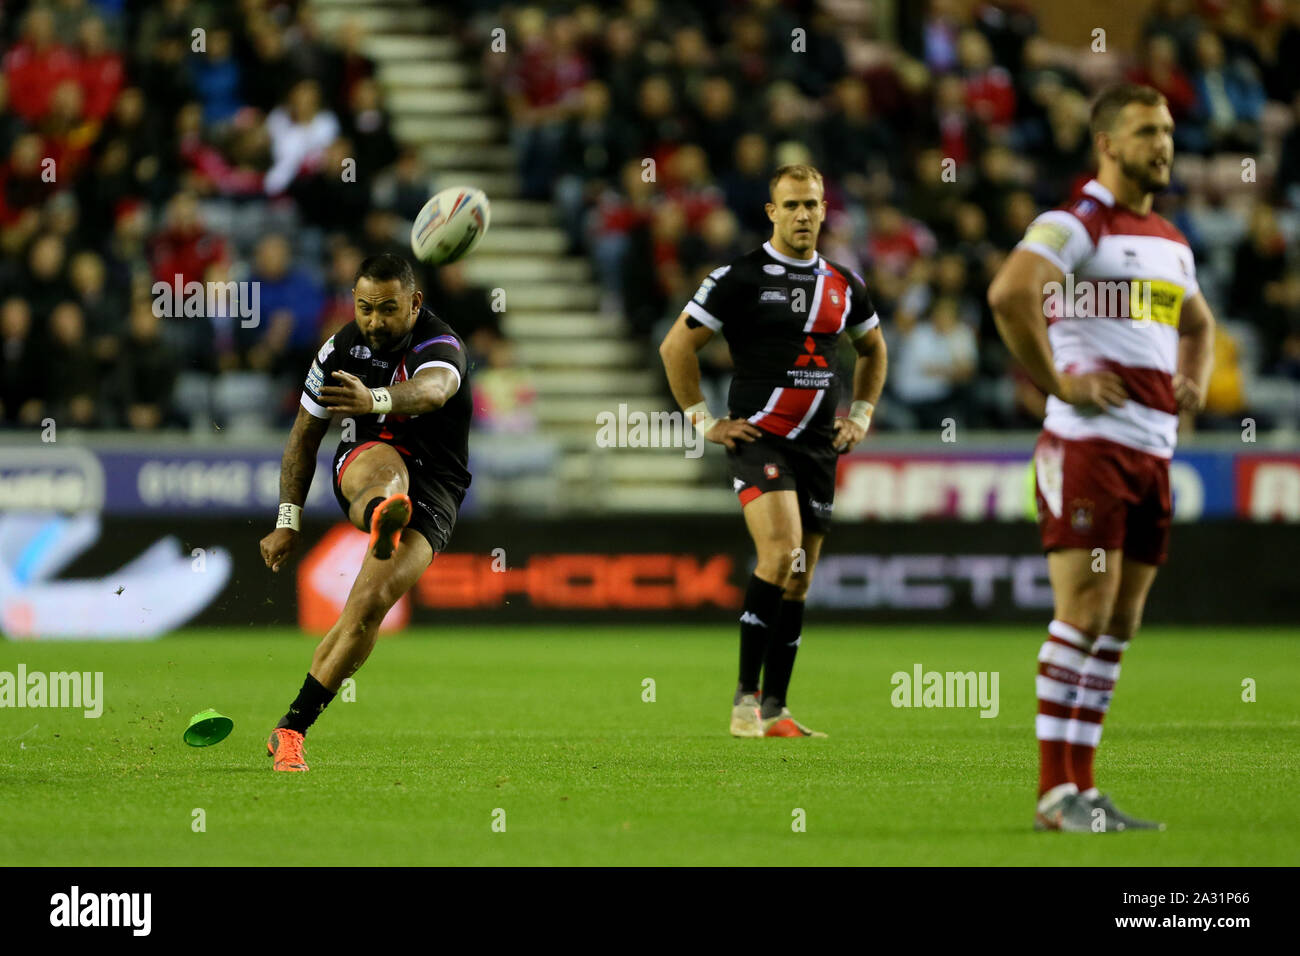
(398, 370)
(1117, 373)
(782, 309)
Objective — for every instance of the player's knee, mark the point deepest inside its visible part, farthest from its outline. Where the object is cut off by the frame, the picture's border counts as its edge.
(796, 589)
(1122, 626)
(369, 611)
(774, 562)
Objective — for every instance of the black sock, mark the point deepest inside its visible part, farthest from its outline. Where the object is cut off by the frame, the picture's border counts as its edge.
(757, 621)
(370, 510)
(307, 706)
(779, 664)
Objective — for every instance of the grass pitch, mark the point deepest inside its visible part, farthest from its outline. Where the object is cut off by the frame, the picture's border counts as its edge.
(546, 730)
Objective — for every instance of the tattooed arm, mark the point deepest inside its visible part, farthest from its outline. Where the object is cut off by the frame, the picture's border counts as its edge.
(296, 470)
(299, 461)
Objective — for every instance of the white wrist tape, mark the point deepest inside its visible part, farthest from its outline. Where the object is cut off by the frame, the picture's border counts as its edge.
(382, 401)
(698, 415)
(289, 516)
(860, 414)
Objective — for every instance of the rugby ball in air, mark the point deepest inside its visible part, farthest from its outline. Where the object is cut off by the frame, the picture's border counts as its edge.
(450, 225)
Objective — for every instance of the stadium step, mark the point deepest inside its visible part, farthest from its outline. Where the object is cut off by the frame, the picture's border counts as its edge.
(495, 182)
(439, 102)
(519, 323)
(598, 382)
(592, 408)
(580, 352)
(418, 130)
(475, 156)
(496, 270)
(385, 25)
(424, 74)
(522, 212)
(547, 296)
(531, 241)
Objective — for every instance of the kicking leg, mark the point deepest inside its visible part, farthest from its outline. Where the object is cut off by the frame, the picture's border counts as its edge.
(375, 483)
(776, 529)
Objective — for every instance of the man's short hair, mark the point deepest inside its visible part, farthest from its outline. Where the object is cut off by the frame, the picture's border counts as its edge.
(386, 266)
(800, 171)
(1107, 106)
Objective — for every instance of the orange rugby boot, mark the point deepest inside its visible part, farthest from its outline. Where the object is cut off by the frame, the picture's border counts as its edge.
(285, 746)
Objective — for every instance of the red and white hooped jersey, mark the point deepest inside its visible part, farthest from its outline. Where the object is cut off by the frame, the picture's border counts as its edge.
(1126, 279)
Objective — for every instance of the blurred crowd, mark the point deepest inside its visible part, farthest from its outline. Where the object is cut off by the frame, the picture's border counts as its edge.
(142, 140)
(654, 127)
(146, 140)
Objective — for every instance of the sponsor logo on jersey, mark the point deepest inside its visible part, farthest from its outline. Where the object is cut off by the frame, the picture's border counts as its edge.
(1154, 300)
(810, 355)
(774, 269)
(380, 362)
(774, 295)
(359, 351)
(315, 379)
(325, 350)
(1141, 300)
(804, 276)
(821, 506)
(706, 287)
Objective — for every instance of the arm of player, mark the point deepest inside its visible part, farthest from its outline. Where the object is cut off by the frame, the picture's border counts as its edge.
(1017, 296)
(1195, 354)
(297, 466)
(682, 366)
(868, 382)
(428, 390)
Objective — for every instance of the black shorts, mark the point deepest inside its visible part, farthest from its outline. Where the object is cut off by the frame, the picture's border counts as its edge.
(770, 463)
(434, 503)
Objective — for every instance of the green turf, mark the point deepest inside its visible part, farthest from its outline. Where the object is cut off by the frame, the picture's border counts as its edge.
(549, 725)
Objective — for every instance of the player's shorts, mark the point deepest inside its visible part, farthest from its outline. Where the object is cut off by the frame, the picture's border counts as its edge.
(1094, 493)
(769, 463)
(434, 504)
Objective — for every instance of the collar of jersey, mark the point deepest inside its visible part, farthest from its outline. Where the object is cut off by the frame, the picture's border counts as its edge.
(1097, 191)
(790, 260)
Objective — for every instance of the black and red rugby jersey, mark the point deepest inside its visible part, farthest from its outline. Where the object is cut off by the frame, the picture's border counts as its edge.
(782, 318)
(438, 439)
